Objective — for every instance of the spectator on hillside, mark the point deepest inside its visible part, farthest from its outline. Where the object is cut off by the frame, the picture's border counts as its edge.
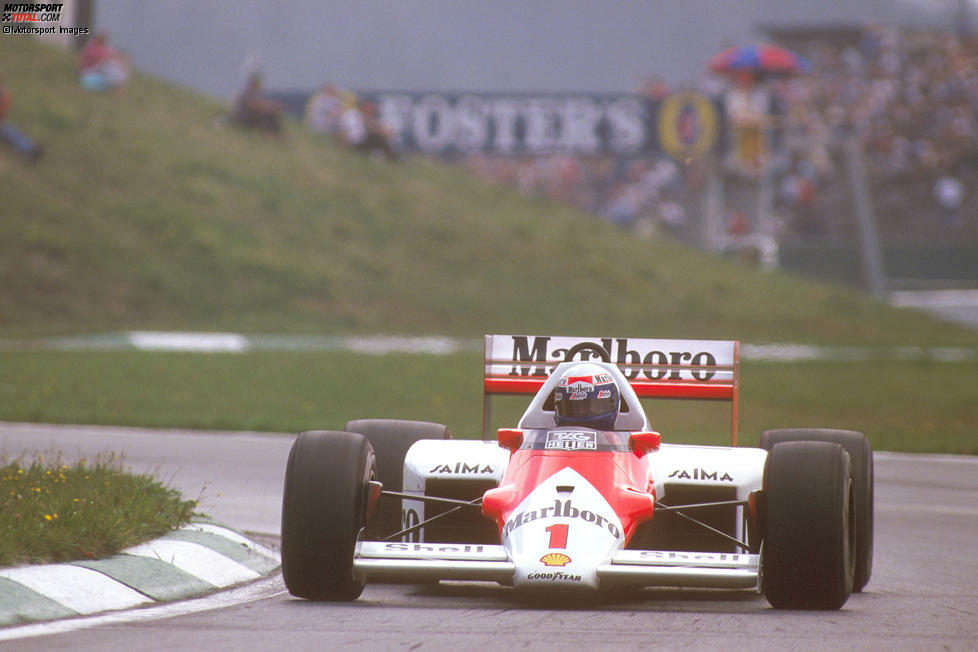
(352, 128)
(100, 66)
(380, 136)
(362, 129)
(253, 109)
(9, 132)
(323, 110)
(624, 205)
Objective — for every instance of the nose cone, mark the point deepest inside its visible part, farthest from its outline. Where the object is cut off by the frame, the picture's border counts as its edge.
(561, 532)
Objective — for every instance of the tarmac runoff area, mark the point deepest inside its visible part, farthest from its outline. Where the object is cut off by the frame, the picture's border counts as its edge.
(200, 558)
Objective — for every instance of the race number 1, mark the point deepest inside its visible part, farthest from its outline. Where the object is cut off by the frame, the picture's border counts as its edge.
(558, 535)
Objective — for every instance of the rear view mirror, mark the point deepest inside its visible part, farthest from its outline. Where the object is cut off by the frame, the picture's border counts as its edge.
(644, 442)
(511, 438)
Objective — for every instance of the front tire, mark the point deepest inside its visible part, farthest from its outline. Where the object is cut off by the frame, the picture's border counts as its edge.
(808, 550)
(324, 508)
(391, 439)
(861, 458)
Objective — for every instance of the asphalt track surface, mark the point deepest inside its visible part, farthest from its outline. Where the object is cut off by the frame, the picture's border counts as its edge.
(923, 594)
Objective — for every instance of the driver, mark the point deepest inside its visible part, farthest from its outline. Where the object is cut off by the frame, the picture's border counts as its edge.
(587, 396)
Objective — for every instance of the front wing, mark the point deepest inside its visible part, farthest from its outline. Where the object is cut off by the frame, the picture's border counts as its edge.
(420, 562)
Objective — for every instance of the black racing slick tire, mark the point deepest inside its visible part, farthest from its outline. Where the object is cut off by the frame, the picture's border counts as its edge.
(391, 439)
(807, 559)
(861, 457)
(324, 507)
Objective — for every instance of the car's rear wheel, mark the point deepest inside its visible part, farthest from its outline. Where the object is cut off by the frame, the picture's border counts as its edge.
(808, 550)
(861, 458)
(324, 509)
(391, 439)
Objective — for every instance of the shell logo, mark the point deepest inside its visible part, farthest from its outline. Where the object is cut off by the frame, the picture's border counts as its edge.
(555, 559)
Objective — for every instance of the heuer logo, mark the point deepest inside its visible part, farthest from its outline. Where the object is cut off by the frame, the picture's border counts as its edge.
(571, 441)
(655, 365)
(555, 559)
(700, 474)
(461, 467)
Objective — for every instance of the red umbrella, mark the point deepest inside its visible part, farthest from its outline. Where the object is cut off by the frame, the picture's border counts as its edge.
(764, 58)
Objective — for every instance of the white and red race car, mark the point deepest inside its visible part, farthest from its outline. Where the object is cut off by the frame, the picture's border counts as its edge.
(557, 507)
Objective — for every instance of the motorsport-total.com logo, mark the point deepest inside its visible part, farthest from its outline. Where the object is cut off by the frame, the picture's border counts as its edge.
(36, 18)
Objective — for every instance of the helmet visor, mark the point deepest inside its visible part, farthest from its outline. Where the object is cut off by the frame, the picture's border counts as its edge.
(601, 401)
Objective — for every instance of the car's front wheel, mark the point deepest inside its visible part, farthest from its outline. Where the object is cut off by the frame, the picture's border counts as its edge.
(324, 510)
(861, 462)
(391, 439)
(808, 553)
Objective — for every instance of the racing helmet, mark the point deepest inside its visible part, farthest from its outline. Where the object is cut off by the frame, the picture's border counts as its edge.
(587, 396)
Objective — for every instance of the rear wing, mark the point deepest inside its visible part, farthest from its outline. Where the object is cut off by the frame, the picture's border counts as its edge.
(680, 369)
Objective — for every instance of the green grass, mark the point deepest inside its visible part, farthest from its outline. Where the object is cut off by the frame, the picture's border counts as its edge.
(53, 512)
(146, 212)
(901, 405)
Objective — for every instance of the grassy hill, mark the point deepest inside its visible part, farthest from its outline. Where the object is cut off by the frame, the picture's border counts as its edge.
(148, 212)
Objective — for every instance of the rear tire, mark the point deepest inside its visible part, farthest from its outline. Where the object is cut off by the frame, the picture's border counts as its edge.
(391, 439)
(807, 554)
(323, 513)
(861, 459)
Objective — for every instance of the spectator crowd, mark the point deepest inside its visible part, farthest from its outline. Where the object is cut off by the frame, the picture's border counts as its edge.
(910, 99)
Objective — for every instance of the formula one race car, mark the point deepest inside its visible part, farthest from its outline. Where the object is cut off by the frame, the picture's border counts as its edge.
(583, 494)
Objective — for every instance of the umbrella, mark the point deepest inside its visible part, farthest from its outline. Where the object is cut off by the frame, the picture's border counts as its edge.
(762, 59)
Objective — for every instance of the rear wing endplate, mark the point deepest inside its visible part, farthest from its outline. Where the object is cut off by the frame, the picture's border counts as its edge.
(680, 369)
